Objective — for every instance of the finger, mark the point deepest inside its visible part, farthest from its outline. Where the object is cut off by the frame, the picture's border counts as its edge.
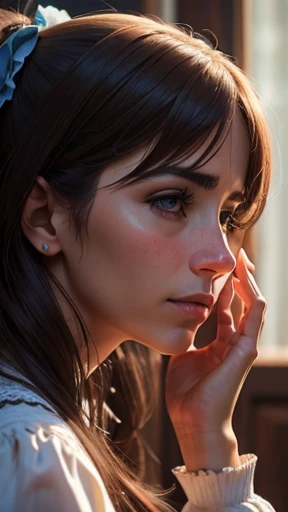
(226, 296)
(225, 327)
(245, 284)
(252, 322)
(224, 315)
(255, 304)
(235, 365)
(255, 307)
(248, 262)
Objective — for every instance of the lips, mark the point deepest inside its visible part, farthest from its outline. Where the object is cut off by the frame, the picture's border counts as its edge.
(202, 299)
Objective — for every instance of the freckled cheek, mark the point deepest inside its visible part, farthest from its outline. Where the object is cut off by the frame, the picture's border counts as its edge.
(152, 252)
(137, 245)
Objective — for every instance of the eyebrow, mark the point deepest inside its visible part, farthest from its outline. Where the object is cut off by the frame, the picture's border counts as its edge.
(207, 181)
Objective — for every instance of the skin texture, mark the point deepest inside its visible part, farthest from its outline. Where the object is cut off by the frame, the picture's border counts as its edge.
(135, 257)
(202, 386)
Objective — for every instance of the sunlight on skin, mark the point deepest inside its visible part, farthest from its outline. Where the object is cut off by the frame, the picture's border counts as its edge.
(137, 256)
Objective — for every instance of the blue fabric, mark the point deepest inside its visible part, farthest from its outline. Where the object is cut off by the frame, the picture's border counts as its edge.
(39, 19)
(12, 55)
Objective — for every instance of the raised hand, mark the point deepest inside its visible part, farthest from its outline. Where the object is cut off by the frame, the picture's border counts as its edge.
(202, 386)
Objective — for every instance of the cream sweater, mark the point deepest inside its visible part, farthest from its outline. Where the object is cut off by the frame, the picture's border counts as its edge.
(43, 467)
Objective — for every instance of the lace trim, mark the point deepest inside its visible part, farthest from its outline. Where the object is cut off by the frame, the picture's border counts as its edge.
(14, 393)
(31, 404)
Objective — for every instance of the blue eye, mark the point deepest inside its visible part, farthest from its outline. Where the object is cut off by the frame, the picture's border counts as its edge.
(178, 201)
(171, 202)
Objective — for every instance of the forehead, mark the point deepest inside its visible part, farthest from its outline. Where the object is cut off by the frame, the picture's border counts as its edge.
(228, 162)
(230, 158)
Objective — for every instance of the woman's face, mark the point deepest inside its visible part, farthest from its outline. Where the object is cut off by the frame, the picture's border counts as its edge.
(146, 248)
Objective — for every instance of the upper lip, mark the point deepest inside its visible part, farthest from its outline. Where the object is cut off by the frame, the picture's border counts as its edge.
(201, 298)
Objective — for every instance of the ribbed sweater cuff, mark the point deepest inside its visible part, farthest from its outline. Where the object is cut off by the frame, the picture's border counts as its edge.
(205, 488)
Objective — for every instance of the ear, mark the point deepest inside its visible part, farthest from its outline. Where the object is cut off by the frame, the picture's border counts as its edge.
(37, 215)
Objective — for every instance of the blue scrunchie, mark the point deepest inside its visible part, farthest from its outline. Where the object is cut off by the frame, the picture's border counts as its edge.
(12, 55)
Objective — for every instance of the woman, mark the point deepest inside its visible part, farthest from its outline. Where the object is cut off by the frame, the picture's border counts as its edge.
(133, 158)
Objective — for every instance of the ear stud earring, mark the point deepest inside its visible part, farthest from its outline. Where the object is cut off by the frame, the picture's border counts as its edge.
(45, 247)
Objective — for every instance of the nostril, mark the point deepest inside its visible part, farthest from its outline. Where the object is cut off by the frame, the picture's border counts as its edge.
(213, 260)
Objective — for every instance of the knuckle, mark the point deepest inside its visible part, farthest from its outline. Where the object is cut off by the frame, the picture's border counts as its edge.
(251, 353)
(254, 353)
(261, 305)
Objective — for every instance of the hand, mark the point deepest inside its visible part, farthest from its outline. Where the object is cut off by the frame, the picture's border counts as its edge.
(202, 386)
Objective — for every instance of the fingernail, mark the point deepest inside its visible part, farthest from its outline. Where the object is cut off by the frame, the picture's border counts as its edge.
(249, 262)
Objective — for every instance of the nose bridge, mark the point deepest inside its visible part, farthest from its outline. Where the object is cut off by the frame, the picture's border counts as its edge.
(213, 254)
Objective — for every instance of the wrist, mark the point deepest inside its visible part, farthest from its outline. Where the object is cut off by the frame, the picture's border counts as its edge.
(209, 450)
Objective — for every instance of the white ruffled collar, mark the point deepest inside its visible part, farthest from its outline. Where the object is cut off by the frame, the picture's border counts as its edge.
(13, 392)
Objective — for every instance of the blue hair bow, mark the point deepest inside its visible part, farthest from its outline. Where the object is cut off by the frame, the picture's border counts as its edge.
(12, 55)
(21, 43)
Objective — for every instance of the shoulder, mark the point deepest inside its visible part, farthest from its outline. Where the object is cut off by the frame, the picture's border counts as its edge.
(43, 466)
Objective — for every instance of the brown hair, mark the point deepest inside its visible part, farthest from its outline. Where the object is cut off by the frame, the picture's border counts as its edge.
(94, 90)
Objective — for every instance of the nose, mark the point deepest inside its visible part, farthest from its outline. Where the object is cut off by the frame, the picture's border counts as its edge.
(213, 257)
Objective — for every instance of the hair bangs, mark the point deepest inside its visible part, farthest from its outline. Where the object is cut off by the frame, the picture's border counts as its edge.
(200, 116)
(94, 90)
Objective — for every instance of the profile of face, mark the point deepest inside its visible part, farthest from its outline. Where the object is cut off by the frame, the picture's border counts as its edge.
(150, 244)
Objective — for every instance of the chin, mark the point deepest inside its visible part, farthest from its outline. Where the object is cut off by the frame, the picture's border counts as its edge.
(176, 350)
(172, 345)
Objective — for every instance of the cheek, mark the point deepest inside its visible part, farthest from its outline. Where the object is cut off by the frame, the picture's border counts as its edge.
(129, 250)
(153, 251)
(144, 242)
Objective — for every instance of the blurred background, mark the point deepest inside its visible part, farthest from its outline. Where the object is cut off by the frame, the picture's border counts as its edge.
(255, 33)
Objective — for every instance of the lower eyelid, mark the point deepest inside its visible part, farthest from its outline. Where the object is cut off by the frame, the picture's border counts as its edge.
(166, 213)
(153, 204)
(163, 198)
(173, 215)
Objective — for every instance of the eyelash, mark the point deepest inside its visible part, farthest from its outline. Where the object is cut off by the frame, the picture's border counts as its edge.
(182, 196)
(229, 224)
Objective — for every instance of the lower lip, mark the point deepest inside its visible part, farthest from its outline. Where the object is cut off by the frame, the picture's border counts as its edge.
(192, 309)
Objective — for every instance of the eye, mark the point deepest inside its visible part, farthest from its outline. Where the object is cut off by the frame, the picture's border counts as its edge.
(227, 221)
(171, 205)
